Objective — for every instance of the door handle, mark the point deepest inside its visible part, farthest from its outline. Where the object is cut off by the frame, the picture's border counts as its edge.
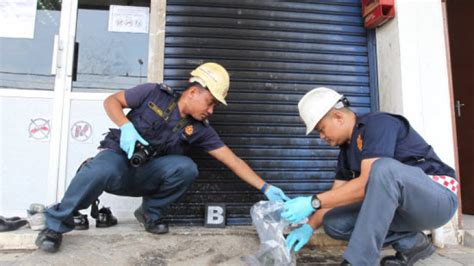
(75, 61)
(458, 107)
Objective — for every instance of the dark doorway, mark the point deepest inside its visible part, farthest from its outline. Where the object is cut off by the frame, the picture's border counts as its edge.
(460, 15)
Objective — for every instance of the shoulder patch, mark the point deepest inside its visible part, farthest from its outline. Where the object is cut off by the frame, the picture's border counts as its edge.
(166, 89)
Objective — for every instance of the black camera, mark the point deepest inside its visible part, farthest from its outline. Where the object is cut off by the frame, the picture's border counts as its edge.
(142, 154)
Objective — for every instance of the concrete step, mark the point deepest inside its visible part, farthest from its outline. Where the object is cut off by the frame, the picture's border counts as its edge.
(24, 238)
(468, 226)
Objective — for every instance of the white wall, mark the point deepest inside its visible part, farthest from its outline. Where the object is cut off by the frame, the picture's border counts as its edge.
(389, 67)
(413, 81)
(413, 73)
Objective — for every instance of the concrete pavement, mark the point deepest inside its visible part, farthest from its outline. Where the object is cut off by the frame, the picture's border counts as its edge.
(129, 244)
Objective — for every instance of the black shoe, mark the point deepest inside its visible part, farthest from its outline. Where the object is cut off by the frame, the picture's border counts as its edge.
(421, 250)
(10, 224)
(155, 227)
(80, 221)
(49, 240)
(10, 219)
(105, 218)
(345, 263)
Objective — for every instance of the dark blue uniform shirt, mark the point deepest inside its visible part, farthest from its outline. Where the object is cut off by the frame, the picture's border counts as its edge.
(391, 136)
(158, 132)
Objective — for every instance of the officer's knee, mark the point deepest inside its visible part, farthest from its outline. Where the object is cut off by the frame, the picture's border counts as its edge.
(190, 170)
(185, 170)
(336, 227)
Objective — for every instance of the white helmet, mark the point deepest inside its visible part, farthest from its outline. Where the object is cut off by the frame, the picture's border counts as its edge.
(315, 104)
(213, 77)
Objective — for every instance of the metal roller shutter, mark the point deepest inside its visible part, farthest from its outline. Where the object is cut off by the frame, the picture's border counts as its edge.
(275, 52)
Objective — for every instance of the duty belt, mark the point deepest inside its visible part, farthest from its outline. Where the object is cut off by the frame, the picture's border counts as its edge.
(446, 181)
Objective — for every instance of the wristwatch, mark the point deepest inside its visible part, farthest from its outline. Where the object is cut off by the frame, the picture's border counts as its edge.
(315, 202)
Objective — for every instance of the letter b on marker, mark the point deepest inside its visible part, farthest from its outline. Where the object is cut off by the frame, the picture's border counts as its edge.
(215, 215)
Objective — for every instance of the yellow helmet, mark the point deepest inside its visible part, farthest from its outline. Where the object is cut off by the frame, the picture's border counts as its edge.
(214, 77)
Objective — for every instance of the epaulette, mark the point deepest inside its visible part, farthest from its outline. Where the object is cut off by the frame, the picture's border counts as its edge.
(167, 89)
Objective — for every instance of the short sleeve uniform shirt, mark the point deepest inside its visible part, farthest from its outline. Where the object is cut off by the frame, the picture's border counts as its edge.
(390, 136)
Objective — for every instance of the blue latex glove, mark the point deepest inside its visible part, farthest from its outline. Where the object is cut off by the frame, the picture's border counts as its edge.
(275, 194)
(300, 237)
(297, 209)
(128, 137)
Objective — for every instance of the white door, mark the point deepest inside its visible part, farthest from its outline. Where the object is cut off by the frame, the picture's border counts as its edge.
(112, 53)
(35, 72)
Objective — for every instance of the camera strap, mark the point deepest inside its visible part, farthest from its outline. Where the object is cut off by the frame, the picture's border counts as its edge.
(163, 114)
(166, 114)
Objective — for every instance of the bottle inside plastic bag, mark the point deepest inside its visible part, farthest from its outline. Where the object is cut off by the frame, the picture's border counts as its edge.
(270, 228)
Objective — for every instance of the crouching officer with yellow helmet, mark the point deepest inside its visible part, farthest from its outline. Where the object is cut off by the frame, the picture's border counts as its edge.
(144, 157)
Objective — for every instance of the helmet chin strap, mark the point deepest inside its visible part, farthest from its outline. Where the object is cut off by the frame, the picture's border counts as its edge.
(343, 102)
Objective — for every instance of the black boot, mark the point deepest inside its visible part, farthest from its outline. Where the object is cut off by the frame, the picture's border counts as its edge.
(10, 219)
(80, 221)
(105, 218)
(155, 227)
(49, 240)
(421, 250)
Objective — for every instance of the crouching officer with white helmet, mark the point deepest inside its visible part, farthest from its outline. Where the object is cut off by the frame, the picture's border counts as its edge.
(389, 185)
(162, 125)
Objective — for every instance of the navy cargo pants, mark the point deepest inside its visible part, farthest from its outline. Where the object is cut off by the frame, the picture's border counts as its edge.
(160, 182)
(400, 201)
